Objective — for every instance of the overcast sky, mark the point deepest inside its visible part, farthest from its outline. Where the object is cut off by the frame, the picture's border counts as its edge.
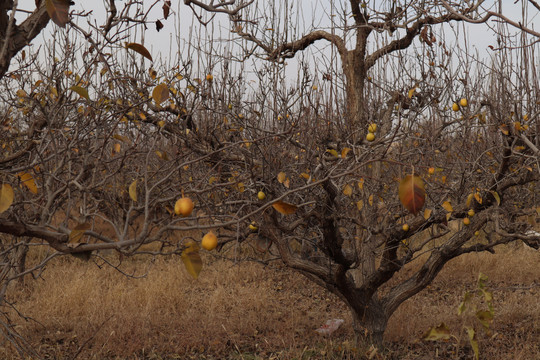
(164, 43)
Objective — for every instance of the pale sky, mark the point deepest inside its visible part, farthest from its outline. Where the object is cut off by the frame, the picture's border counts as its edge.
(164, 43)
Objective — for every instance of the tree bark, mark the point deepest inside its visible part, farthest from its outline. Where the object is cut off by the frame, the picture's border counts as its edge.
(13, 39)
(369, 322)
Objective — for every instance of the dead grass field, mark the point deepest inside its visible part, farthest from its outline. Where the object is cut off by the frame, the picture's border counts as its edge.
(248, 311)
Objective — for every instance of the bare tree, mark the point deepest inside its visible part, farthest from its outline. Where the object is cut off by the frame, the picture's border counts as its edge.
(99, 144)
(397, 74)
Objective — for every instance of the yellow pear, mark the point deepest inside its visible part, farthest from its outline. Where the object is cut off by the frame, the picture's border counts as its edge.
(209, 241)
(184, 206)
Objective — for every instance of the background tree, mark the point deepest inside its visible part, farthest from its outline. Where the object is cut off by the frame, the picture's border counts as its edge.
(100, 141)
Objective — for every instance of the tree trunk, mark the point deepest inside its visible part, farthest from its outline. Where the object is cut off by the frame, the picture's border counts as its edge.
(369, 322)
(355, 77)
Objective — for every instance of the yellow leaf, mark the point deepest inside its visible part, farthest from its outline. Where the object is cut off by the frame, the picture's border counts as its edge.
(497, 197)
(162, 155)
(117, 147)
(447, 206)
(160, 93)
(347, 190)
(411, 92)
(133, 190)
(212, 180)
(287, 183)
(470, 197)
(478, 197)
(28, 181)
(333, 152)
(361, 184)
(305, 175)
(473, 341)
(81, 91)
(192, 260)
(285, 208)
(6, 197)
(427, 213)
(78, 231)
(344, 152)
(240, 186)
(281, 177)
(441, 332)
(448, 216)
(140, 49)
(504, 129)
(370, 200)
(360, 205)
(121, 138)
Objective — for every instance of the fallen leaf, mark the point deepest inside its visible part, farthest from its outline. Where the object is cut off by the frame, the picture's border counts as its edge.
(285, 208)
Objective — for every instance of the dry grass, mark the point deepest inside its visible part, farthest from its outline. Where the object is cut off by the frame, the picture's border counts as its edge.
(247, 311)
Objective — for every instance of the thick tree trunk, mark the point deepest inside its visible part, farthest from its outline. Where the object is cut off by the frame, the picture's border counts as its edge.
(369, 322)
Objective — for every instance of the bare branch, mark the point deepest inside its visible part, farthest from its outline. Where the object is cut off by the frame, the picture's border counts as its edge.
(489, 15)
(222, 7)
(406, 41)
(289, 50)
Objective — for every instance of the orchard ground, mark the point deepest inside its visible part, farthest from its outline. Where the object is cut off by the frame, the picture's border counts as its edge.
(247, 310)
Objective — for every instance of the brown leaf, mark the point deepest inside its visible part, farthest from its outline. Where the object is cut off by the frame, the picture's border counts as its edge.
(160, 93)
(166, 9)
(285, 208)
(58, 11)
(262, 244)
(140, 49)
(78, 231)
(412, 193)
(159, 25)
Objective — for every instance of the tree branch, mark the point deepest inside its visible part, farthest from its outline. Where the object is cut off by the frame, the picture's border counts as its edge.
(406, 41)
(491, 14)
(222, 7)
(289, 50)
